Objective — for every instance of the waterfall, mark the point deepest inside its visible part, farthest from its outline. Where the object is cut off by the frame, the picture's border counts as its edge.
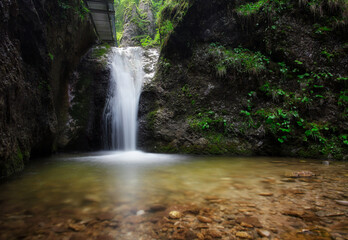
(121, 110)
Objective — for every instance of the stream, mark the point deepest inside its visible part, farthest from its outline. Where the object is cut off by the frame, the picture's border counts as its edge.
(136, 195)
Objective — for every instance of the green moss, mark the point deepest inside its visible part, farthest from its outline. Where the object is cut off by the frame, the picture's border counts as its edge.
(207, 121)
(250, 8)
(101, 50)
(263, 6)
(81, 102)
(19, 155)
(151, 118)
(12, 165)
(240, 59)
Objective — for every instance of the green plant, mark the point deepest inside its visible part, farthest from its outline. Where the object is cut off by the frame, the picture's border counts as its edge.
(101, 50)
(79, 9)
(329, 56)
(241, 59)
(51, 56)
(314, 131)
(208, 121)
(165, 30)
(250, 8)
(265, 6)
(342, 98)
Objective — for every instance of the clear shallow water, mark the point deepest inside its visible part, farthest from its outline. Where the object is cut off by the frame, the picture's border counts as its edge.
(78, 188)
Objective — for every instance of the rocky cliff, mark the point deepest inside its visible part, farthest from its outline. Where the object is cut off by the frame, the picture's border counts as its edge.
(41, 42)
(88, 91)
(139, 21)
(256, 78)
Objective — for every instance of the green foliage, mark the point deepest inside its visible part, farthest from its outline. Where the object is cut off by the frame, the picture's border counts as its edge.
(265, 6)
(329, 56)
(278, 121)
(51, 56)
(101, 50)
(321, 29)
(169, 15)
(80, 9)
(343, 98)
(240, 59)
(19, 154)
(289, 121)
(208, 121)
(150, 118)
(165, 64)
(165, 30)
(148, 42)
(250, 8)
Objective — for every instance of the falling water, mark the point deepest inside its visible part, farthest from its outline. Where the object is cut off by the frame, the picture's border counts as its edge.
(120, 113)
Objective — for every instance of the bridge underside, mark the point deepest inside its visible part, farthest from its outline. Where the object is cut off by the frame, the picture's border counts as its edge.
(103, 16)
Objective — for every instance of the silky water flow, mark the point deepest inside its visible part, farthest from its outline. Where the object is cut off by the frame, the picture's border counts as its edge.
(120, 113)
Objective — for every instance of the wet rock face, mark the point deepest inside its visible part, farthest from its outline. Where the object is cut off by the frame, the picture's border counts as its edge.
(190, 103)
(130, 29)
(37, 53)
(146, 7)
(138, 21)
(206, 21)
(88, 90)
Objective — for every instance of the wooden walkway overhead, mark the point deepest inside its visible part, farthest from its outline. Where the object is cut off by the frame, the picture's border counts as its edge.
(103, 16)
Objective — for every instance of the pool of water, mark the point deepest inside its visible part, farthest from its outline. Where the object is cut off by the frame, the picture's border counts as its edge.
(130, 195)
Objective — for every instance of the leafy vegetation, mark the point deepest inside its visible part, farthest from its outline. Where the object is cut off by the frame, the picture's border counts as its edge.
(168, 13)
(101, 50)
(80, 9)
(209, 120)
(240, 59)
(289, 120)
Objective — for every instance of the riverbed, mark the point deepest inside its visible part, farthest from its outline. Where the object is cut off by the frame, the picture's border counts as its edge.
(135, 195)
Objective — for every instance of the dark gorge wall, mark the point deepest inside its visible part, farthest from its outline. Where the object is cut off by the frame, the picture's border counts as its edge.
(41, 42)
(262, 79)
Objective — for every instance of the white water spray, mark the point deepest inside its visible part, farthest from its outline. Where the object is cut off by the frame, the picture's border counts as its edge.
(120, 113)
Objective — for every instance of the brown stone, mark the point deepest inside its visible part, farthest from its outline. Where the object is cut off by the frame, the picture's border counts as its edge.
(266, 194)
(288, 180)
(190, 235)
(193, 210)
(243, 224)
(263, 233)
(105, 237)
(201, 225)
(200, 236)
(210, 198)
(300, 174)
(249, 220)
(78, 236)
(77, 227)
(214, 233)
(105, 216)
(341, 202)
(156, 208)
(294, 213)
(244, 235)
(204, 219)
(341, 226)
(59, 228)
(269, 180)
(175, 215)
(329, 213)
